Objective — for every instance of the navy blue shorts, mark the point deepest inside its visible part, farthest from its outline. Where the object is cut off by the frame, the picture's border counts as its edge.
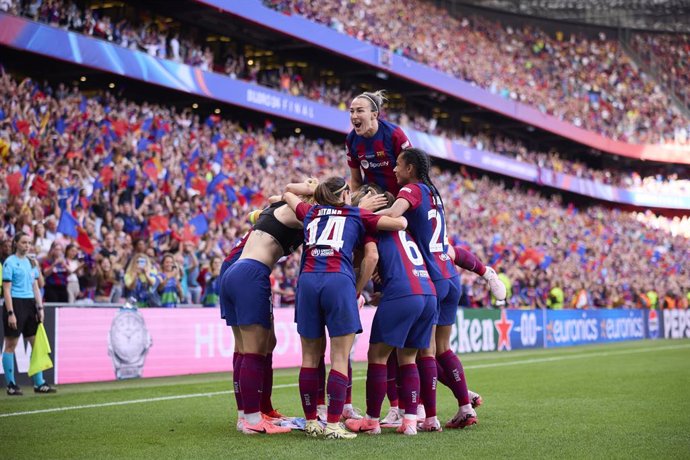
(405, 322)
(223, 268)
(245, 294)
(326, 299)
(448, 293)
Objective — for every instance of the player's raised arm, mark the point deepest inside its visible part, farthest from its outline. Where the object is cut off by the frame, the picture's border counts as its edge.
(368, 265)
(391, 224)
(398, 209)
(305, 188)
(292, 200)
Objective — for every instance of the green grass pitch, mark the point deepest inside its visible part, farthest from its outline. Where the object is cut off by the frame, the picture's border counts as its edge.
(627, 400)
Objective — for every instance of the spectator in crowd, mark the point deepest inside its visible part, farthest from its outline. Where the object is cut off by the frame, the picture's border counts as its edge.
(211, 296)
(56, 273)
(141, 281)
(191, 268)
(169, 288)
(108, 287)
(75, 267)
(42, 244)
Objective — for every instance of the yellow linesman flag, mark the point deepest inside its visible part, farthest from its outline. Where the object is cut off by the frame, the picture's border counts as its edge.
(40, 359)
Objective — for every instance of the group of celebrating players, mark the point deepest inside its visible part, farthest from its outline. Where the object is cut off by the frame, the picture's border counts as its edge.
(387, 225)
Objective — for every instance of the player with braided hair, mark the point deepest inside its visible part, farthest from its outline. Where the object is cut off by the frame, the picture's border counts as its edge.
(421, 203)
(373, 148)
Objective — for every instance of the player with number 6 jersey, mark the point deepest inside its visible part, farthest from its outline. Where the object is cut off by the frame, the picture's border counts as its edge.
(327, 292)
(421, 203)
(403, 320)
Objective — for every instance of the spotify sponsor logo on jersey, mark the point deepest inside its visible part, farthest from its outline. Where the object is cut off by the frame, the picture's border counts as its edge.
(374, 164)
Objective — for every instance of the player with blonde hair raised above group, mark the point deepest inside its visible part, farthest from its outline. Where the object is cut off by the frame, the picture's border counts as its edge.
(373, 147)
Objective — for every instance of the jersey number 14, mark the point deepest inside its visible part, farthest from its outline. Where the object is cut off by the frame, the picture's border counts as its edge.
(331, 235)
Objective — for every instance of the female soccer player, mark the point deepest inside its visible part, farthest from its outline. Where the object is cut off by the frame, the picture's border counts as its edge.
(404, 320)
(327, 292)
(373, 145)
(245, 300)
(420, 202)
(23, 310)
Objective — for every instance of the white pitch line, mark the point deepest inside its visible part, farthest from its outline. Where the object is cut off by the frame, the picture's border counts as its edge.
(292, 385)
(578, 356)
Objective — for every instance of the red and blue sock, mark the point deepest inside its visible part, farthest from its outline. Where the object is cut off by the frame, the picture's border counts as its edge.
(409, 375)
(428, 375)
(267, 389)
(236, 371)
(455, 375)
(251, 381)
(376, 389)
(336, 389)
(391, 382)
(308, 390)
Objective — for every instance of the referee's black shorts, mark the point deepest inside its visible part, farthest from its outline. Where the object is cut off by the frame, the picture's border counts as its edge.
(25, 311)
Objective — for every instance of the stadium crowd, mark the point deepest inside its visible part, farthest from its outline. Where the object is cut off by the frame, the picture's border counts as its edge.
(158, 38)
(126, 199)
(669, 54)
(590, 82)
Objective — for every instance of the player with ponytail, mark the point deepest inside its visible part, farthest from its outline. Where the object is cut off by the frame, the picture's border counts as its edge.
(421, 203)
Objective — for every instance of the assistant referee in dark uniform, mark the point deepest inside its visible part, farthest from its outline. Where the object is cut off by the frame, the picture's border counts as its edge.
(23, 310)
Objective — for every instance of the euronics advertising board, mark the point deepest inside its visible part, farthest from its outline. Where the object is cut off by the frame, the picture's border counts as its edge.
(504, 330)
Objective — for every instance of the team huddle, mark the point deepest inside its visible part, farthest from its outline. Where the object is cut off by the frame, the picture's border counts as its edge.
(387, 225)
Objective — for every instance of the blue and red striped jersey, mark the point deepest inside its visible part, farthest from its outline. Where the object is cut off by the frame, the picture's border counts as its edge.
(401, 267)
(426, 222)
(237, 250)
(331, 234)
(377, 155)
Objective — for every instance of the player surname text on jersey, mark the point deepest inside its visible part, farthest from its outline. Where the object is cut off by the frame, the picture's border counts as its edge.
(329, 212)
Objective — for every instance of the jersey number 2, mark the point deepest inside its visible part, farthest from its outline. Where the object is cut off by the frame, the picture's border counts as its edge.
(435, 244)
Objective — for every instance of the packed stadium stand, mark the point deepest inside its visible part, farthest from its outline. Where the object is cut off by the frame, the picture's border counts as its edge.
(124, 168)
(588, 81)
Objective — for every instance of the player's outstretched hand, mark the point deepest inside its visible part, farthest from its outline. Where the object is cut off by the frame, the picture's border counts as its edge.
(373, 202)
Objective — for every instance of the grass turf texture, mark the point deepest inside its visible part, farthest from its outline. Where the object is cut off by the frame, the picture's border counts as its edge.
(621, 400)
